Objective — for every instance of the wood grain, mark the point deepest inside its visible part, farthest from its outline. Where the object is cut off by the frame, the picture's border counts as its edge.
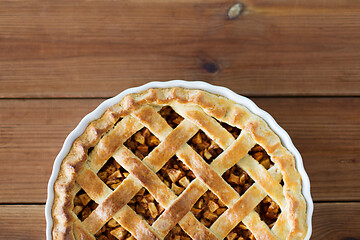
(32, 134)
(92, 50)
(330, 221)
(98, 48)
(22, 222)
(327, 133)
(334, 221)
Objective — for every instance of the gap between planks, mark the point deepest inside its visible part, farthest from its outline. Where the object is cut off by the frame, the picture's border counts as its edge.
(245, 95)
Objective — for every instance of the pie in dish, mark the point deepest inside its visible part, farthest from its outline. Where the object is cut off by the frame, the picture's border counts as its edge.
(178, 164)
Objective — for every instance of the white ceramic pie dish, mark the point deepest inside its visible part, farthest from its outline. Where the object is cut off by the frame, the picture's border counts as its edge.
(285, 139)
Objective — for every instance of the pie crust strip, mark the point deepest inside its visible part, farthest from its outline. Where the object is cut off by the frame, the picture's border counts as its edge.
(235, 214)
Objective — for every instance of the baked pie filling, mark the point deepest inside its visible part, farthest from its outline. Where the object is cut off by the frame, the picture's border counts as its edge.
(177, 176)
(192, 176)
(268, 210)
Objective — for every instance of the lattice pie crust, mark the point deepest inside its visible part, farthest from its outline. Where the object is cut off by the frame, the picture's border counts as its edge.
(178, 164)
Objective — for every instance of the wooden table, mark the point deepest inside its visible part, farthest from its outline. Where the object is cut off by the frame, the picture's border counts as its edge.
(299, 60)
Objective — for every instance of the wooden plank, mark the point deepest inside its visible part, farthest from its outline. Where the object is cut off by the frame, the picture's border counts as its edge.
(22, 222)
(325, 130)
(98, 48)
(331, 221)
(31, 137)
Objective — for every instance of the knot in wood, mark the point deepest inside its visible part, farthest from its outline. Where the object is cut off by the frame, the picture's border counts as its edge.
(235, 10)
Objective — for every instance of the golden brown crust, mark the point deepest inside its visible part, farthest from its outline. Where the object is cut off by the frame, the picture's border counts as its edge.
(193, 104)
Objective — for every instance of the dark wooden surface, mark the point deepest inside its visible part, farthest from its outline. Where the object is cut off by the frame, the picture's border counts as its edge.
(298, 60)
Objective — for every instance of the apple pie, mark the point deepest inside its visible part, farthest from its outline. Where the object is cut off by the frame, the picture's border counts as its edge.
(178, 164)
